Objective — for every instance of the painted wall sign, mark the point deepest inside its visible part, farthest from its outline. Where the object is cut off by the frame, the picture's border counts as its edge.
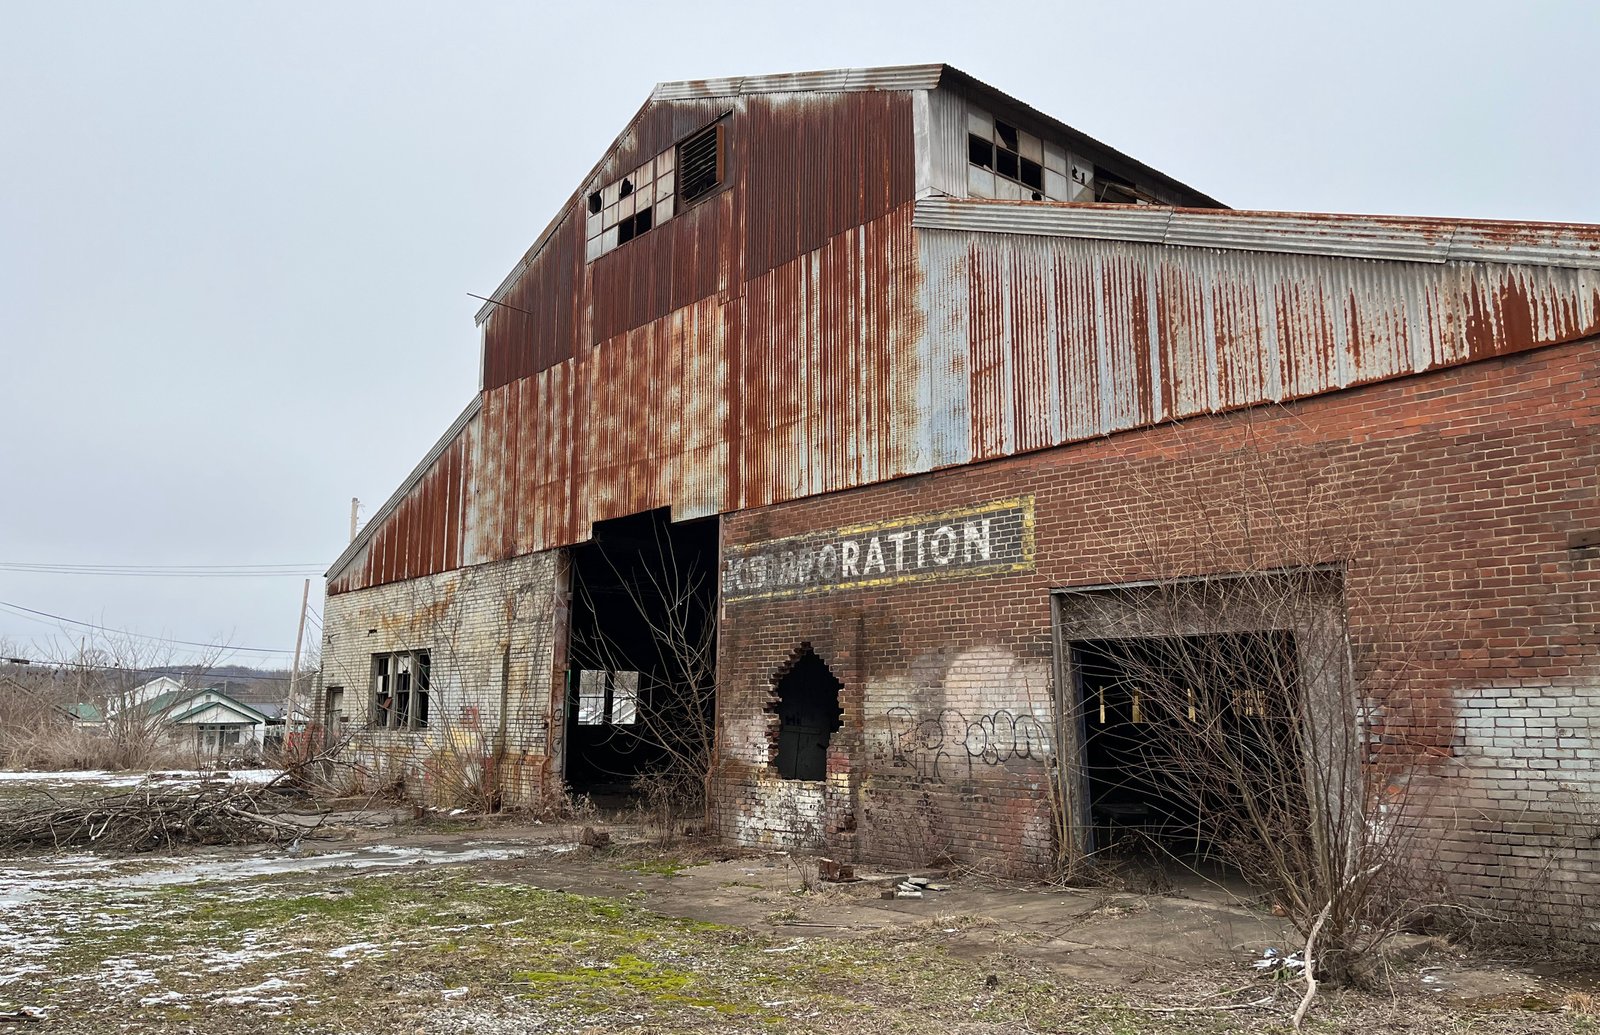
(983, 540)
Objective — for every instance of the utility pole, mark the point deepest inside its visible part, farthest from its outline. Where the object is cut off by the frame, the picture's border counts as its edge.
(294, 673)
(355, 506)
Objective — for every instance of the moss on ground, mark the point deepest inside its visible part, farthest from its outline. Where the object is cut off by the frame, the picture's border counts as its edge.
(378, 952)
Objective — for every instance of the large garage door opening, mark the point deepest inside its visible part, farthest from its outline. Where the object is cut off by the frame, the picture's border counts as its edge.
(642, 679)
(1183, 736)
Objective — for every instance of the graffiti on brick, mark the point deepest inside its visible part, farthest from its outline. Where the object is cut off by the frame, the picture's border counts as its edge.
(950, 746)
(989, 539)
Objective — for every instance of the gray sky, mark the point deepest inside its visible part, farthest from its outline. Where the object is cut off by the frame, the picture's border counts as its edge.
(236, 240)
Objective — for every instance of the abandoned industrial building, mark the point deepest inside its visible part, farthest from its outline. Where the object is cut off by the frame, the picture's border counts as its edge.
(909, 465)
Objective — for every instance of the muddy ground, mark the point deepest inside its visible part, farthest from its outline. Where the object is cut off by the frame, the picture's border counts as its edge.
(497, 927)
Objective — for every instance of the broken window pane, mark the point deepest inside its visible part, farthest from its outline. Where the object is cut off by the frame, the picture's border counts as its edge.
(980, 152)
(1031, 174)
(400, 689)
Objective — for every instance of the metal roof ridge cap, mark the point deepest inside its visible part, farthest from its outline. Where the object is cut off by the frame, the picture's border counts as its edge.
(848, 79)
(369, 529)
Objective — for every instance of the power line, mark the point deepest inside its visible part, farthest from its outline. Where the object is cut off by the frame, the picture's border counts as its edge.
(42, 666)
(142, 636)
(194, 571)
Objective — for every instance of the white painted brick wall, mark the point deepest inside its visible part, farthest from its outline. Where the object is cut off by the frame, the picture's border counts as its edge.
(467, 620)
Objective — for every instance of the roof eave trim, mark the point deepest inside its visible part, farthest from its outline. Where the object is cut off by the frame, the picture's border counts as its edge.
(1574, 246)
(833, 80)
(370, 529)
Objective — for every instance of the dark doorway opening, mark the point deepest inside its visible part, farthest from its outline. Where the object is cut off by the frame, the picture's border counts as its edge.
(808, 713)
(641, 678)
(1172, 725)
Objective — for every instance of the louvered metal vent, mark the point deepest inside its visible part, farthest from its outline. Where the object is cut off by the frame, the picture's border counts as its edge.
(700, 164)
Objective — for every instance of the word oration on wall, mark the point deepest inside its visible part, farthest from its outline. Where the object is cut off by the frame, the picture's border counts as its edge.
(990, 538)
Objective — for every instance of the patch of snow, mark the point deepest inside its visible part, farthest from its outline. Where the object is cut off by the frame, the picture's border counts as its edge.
(164, 999)
(347, 950)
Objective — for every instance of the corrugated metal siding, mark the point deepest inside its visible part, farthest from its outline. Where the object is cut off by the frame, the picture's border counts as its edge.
(816, 165)
(1357, 237)
(813, 328)
(806, 383)
(801, 167)
(1070, 338)
(887, 352)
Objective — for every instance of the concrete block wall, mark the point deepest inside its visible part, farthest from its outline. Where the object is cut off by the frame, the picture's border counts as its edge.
(1456, 504)
(490, 633)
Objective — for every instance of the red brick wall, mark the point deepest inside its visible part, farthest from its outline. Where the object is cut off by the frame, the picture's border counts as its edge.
(1450, 499)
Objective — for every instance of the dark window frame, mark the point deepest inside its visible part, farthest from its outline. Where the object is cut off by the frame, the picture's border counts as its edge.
(401, 693)
(1004, 158)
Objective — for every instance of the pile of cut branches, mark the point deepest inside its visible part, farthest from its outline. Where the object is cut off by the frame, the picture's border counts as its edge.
(148, 818)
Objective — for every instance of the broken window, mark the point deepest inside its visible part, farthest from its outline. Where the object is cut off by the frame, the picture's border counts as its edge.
(1010, 163)
(400, 690)
(638, 202)
(808, 715)
(633, 204)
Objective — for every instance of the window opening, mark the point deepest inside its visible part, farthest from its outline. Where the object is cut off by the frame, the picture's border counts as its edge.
(624, 698)
(1011, 163)
(591, 697)
(808, 712)
(700, 157)
(401, 690)
(631, 205)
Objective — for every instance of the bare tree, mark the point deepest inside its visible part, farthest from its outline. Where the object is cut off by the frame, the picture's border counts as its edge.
(674, 720)
(1215, 665)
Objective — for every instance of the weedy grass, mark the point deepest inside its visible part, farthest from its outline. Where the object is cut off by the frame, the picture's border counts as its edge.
(376, 952)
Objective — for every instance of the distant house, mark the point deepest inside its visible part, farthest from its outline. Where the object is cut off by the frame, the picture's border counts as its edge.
(85, 714)
(207, 719)
(210, 721)
(143, 694)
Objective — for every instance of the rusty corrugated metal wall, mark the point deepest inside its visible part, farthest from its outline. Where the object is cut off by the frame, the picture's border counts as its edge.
(797, 334)
(1067, 339)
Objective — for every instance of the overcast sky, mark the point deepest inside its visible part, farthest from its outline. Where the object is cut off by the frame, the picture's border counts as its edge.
(236, 239)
